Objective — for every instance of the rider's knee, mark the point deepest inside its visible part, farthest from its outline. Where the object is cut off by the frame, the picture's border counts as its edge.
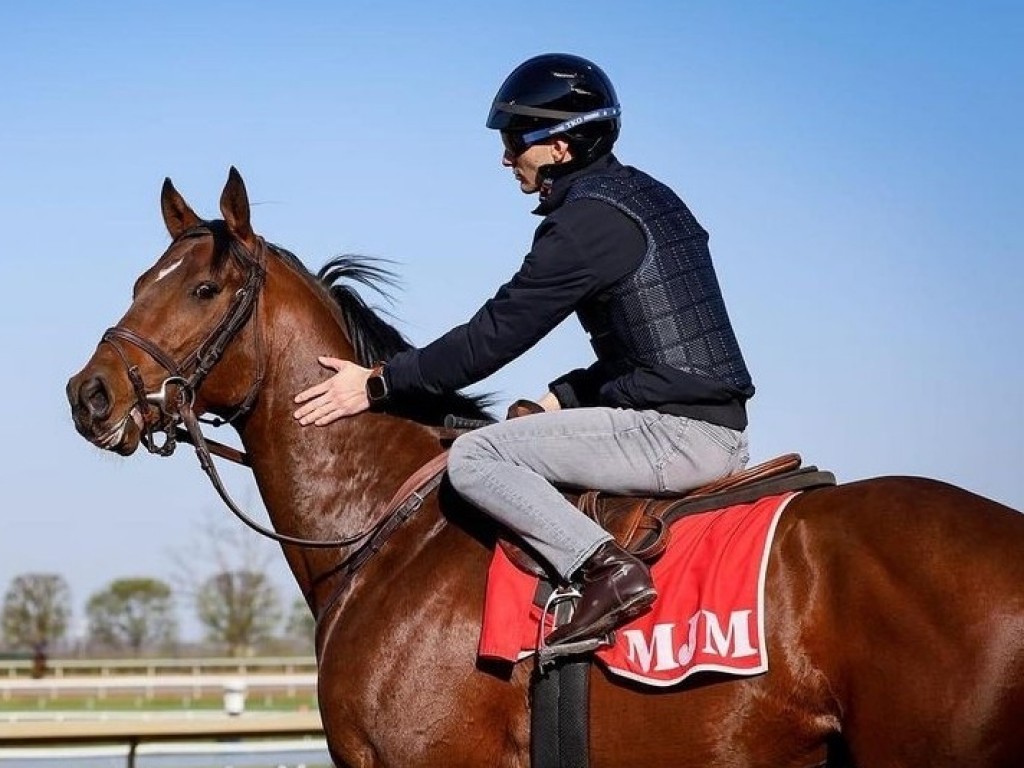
(466, 454)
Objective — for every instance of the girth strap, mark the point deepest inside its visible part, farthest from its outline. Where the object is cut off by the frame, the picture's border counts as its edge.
(560, 710)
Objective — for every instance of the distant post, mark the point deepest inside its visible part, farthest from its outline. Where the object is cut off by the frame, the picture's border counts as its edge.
(234, 697)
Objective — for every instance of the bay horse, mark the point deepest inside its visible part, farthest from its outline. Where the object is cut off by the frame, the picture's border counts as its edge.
(895, 606)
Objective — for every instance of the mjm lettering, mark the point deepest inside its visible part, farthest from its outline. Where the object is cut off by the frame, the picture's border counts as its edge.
(666, 652)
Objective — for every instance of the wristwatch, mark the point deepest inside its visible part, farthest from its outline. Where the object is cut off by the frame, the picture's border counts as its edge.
(377, 389)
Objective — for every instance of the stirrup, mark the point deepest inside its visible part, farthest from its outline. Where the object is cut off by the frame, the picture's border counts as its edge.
(560, 606)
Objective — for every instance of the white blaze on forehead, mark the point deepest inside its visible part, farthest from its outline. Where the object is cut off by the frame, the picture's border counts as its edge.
(167, 270)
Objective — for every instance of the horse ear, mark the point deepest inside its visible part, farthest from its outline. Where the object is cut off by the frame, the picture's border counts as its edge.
(178, 217)
(234, 206)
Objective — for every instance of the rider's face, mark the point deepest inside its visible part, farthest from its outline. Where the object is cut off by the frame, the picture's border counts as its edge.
(525, 163)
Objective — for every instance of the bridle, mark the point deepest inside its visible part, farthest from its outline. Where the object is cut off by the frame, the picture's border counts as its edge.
(169, 409)
(174, 400)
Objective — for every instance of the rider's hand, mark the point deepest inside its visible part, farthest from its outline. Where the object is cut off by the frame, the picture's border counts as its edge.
(527, 407)
(344, 394)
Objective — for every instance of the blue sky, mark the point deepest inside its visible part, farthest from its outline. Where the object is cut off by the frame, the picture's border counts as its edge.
(858, 166)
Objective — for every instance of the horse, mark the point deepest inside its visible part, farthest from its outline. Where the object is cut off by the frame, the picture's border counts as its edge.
(895, 605)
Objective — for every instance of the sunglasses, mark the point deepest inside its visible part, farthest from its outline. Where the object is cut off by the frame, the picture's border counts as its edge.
(513, 143)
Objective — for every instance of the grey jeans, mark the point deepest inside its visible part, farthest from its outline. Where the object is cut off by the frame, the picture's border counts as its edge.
(510, 469)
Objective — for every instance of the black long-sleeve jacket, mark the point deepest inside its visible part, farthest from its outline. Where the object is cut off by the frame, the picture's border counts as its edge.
(579, 251)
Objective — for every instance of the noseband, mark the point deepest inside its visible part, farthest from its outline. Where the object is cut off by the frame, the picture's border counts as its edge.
(169, 407)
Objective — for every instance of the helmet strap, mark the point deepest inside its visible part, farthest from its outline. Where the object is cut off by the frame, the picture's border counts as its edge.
(547, 175)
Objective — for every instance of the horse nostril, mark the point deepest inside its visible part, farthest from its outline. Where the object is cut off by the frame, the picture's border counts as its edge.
(93, 396)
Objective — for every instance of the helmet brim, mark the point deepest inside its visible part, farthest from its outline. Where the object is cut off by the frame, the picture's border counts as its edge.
(498, 119)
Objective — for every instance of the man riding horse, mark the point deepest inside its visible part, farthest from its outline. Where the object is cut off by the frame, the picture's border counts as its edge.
(663, 407)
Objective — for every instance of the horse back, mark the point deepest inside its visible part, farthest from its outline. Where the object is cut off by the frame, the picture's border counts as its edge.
(912, 609)
(928, 537)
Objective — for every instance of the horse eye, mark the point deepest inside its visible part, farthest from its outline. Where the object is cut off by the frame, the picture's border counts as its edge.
(206, 290)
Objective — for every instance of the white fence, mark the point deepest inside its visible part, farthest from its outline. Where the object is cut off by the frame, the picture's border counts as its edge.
(148, 686)
(153, 667)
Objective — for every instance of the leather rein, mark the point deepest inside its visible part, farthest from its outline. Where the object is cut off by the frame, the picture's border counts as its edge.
(171, 406)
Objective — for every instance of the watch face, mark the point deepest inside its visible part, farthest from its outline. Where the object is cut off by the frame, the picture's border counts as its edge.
(376, 387)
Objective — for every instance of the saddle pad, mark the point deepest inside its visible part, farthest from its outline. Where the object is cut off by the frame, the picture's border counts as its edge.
(709, 615)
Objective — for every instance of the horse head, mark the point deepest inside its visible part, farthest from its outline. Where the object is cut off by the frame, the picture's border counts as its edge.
(187, 339)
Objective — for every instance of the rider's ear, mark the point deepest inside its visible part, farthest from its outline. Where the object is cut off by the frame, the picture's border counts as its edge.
(178, 217)
(234, 206)
(561, 151)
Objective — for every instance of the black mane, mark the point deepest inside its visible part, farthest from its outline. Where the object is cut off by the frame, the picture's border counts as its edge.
(373, 339)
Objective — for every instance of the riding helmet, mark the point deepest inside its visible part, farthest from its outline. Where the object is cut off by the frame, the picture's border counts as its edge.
(558, 94)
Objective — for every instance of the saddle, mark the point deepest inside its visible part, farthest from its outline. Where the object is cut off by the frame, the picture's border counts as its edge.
(640, 525)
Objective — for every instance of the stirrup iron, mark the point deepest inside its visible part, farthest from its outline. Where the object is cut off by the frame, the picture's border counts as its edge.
(560, 606)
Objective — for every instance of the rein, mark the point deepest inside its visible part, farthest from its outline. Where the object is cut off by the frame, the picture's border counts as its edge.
(405, 501)
(174, 401)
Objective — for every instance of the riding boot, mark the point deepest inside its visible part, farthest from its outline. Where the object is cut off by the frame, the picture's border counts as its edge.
(617, 587)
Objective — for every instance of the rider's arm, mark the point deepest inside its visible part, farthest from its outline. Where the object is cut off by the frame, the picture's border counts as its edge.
(576, 252)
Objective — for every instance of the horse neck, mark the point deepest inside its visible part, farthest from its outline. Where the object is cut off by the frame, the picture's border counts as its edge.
(319, 483)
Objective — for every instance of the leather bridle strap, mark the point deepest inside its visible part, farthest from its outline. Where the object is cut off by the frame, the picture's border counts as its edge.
(212, 348)
(206, 462)
(151, 349)
(215, 447)
(377, 531)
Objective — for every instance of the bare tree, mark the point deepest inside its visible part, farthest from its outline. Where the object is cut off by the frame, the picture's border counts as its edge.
(224, 574)
(37, 608)
(132, 614)
(239, 609)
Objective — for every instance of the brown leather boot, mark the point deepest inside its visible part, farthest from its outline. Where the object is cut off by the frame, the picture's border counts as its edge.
(617, 587)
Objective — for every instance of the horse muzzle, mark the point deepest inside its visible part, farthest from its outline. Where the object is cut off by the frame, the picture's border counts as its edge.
(92, 403)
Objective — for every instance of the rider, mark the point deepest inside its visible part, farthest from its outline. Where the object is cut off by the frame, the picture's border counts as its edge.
(663, 407)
